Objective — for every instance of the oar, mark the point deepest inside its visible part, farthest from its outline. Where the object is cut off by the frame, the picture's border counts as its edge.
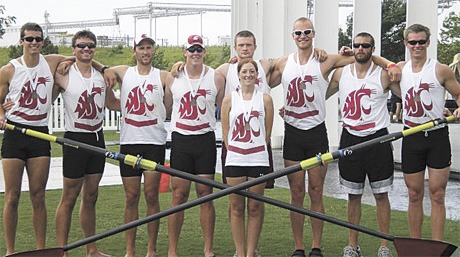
(404, 246)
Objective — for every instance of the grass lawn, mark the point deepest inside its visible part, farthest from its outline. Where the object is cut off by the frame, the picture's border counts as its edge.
(276, 238)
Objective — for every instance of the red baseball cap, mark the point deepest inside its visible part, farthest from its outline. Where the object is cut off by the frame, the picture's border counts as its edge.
(194, 40)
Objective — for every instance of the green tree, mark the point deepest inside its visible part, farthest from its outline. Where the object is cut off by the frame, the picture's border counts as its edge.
(449, 44)
(5, 21)
(345, 35)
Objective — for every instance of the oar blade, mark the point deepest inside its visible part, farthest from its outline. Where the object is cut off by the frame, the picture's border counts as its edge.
(410, 247)
(52, 252)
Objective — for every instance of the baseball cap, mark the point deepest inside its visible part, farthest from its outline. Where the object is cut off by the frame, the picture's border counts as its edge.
(141, 38)
(194, 40)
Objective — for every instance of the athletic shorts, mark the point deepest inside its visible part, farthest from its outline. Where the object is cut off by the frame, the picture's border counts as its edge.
(16, 145)
(303, 144)
(247, 171)
(375, 162)
(194, 154)
(431, 148)
(150, 152)
(76, 163)
(270, 183)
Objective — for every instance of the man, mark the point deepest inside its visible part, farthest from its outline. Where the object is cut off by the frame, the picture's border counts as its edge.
(84, 94)
(27, 81)
(305, 83)
(191, 99)
(423, 86)
(245, 46)
(142, 133)
(363, 92)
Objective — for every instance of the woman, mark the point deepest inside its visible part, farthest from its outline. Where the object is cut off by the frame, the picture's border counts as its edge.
(247, 119)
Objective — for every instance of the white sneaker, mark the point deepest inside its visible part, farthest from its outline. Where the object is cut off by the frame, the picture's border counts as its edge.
(384, 252)
(349, 251)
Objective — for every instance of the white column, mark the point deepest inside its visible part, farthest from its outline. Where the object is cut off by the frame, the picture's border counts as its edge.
(424, 12)
(326, 24)
(271, 22)
(367, 17)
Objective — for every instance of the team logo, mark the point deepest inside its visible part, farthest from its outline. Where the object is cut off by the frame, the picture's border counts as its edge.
(137, 100)
(87, 107)
(243, 131)
(418, 100)
(300, 92)
(30, 97)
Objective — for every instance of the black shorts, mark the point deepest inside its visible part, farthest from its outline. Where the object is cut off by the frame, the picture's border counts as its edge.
(76, 163)
(247, 171)
(21, 146)
(195, 154)
(303, 144)
(376, 162)
(423, 149)
(150, 152)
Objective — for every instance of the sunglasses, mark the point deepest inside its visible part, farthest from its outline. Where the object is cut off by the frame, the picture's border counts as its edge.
(84, 45)
(198, 49)
(420, 42)
(31, 39)
(363, 45)
(300, 32)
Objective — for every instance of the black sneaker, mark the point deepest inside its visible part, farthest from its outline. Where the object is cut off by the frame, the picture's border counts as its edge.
(315, 252)
(298, 253)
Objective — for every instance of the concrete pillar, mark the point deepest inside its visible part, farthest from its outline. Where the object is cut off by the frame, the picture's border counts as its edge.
(424, 12)
(327, 29)
(271, 22)
(367, 17)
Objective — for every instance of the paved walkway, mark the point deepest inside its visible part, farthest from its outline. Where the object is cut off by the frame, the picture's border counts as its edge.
(398, 196)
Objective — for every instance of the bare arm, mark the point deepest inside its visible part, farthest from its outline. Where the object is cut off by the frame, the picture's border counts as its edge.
(219, 81)
(6, 73)
(269, 113)
(224, 117)
(277, 71)
(334, 83)
(447, 78)
(168, 101)
(111, 101)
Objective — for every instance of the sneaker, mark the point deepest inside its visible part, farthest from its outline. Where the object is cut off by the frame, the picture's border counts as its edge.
(384, 252)
(298, 253)
(349, 251)
(315, 252)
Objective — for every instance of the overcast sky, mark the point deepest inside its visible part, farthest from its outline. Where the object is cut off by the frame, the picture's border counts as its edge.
(215, 24)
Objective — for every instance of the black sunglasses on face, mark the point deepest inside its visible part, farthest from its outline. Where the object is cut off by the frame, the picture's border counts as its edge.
(300, 32)
(363, 45)
(192, 49)
(31, 39)
(83, 45)
(420, 42)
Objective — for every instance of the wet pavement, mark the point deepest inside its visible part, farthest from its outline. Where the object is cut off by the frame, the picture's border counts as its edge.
(398, 196)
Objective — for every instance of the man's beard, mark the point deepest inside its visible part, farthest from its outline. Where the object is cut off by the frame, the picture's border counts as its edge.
(363, 59)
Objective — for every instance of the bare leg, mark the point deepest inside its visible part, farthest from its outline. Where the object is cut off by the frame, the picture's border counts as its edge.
(180, 194)
(38, 171)
(151, 191)
(297, 188)
(132, 186)
(437, 184)
(416, 189)
(316, 177)
(383, 214)
(237, 216)
(13, 170)
(354, 216)
(255, 219)
(207, 216)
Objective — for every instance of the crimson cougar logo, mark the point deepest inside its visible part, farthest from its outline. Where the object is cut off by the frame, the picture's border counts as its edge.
(31, 96)
(298, 91)
(87, 108)
(189, 105)
(416, 101)
(353, 108)
(242, 131)
(137, 101)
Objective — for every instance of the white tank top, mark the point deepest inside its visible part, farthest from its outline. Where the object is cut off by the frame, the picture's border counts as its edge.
(422, 94)
(363, 102)
(142, 108)
(233, 82)
(194, 104)
(84, 101)
(246, 136)
(304, 93)
(30, 89)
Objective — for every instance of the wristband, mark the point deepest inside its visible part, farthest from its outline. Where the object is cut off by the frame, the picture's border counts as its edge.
(104, 68)
(391, 65)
